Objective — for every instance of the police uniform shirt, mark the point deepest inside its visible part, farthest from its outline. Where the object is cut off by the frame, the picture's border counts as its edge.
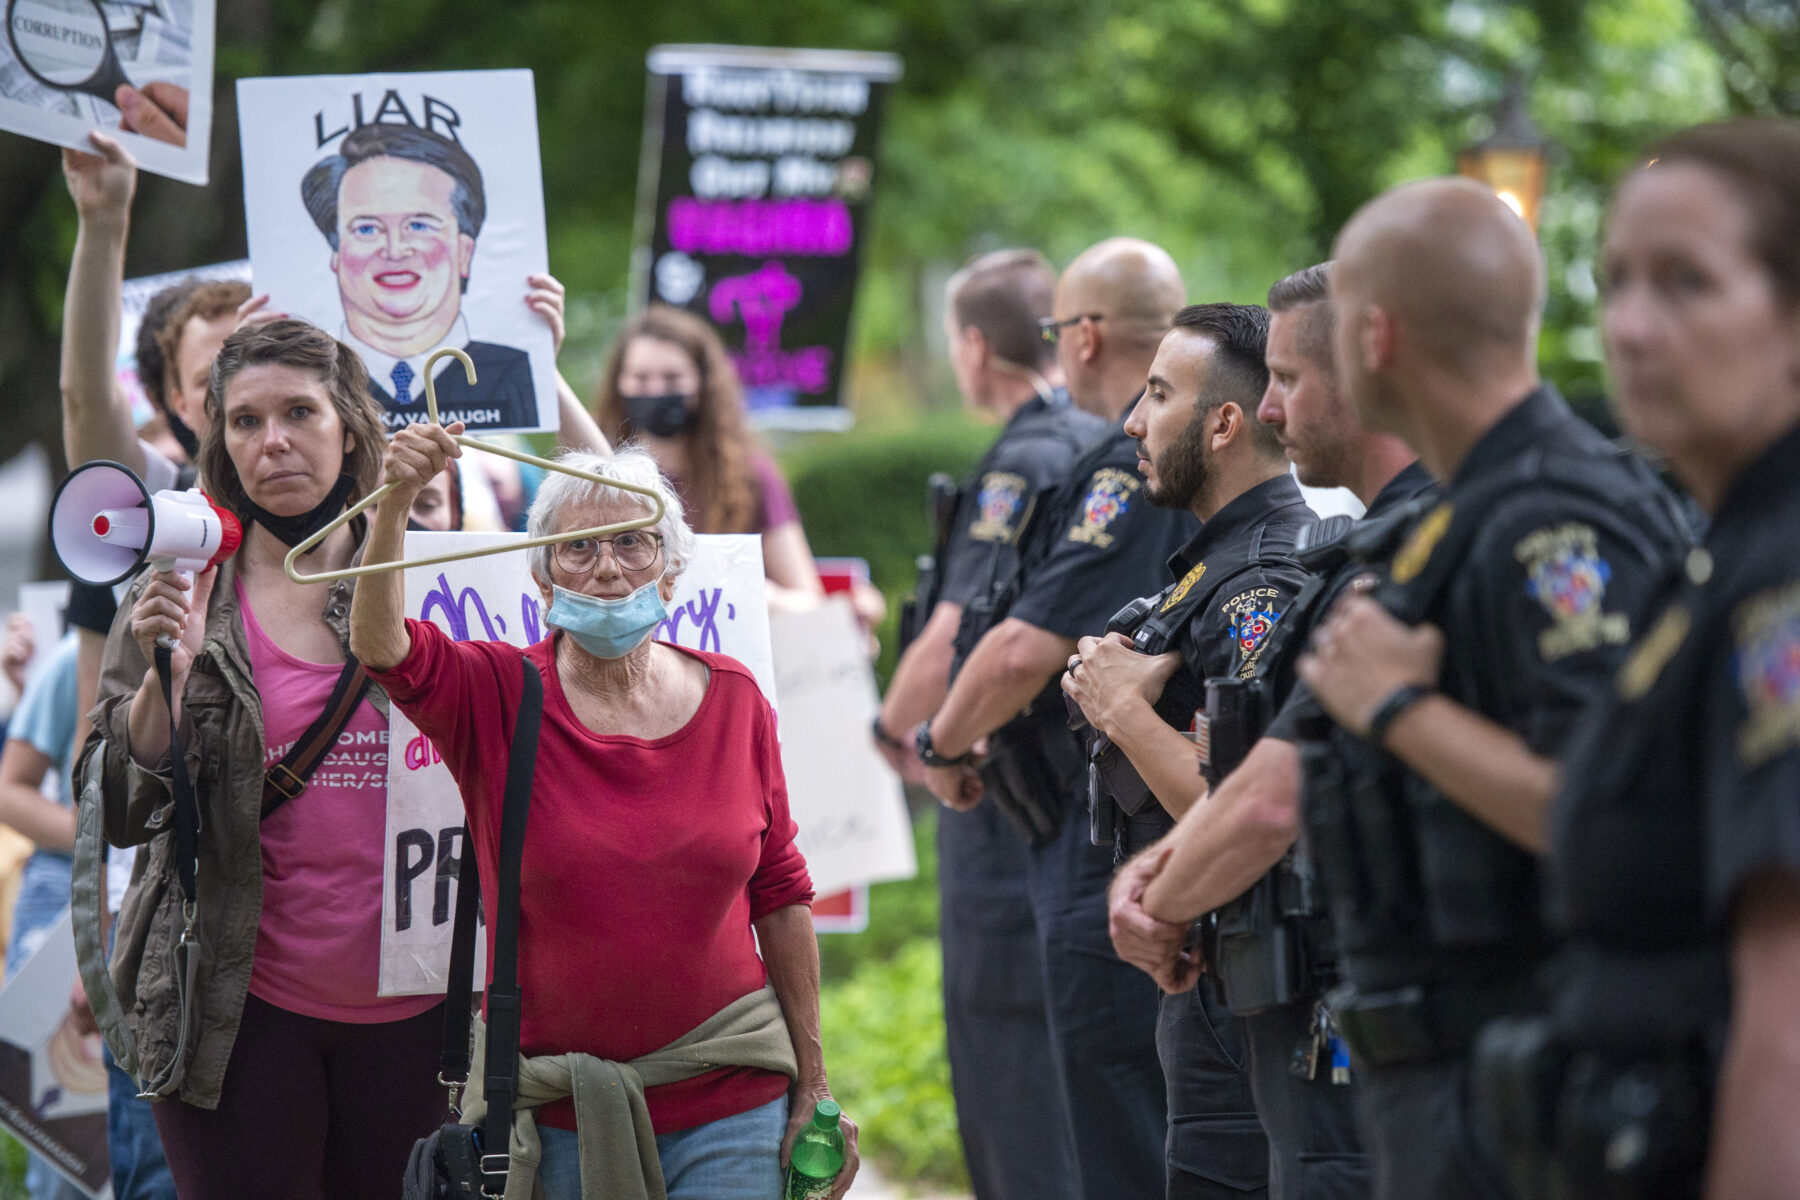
(1242, 556)
(1032, 454)
(1101, 544)
(1688, 783)
(1297, 707)
(1535, 564)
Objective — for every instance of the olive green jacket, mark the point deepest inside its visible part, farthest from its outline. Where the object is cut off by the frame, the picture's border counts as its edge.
(222, 733)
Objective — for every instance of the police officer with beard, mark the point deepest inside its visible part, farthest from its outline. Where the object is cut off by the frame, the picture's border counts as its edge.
(1451, 687)
(1237, 854)
(1668, 1065)
(1145, 685)
(1091, 548)
(1010, 1112)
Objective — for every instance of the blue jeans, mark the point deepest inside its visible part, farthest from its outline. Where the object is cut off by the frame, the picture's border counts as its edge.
(139, 1171)
(733, 1158)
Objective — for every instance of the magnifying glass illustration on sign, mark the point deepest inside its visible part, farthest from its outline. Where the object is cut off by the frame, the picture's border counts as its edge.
(65, 44)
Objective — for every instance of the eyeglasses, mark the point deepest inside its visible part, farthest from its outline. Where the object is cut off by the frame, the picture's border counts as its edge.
(1050, 329)
(634, 551)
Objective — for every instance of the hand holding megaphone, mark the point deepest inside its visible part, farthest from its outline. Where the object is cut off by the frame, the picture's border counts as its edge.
(171, 612)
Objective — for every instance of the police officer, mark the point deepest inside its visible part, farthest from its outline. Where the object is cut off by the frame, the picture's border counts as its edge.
(1451, 687)
(1238, 852)
(1232, 583)
(1669, 1065)
(1010, 1112)
(1094, 546)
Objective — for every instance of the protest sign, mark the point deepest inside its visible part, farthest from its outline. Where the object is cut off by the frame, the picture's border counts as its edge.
(753, 206)
(43, 605)
(134, 298)
(719, 605)
(52, 1078)
(403, 213)
(66, 66)
(846, 800)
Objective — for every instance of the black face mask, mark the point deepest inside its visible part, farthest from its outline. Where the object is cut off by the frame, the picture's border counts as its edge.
(659, 416)
(291, 531)
(185, 436)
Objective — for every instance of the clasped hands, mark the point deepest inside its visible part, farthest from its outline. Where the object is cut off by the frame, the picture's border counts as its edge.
(1361, 654)
(1113, 682)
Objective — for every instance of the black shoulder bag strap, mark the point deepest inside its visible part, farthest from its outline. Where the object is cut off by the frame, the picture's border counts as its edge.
(501, 1076)
(287, 779)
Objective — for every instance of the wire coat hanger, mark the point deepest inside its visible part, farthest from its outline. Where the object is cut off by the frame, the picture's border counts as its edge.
(375, 497)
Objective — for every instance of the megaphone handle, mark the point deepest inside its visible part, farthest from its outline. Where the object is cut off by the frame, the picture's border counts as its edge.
(187, 577)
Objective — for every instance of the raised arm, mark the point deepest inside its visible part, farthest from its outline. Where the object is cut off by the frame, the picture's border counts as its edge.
(415, 456)
(96, 422)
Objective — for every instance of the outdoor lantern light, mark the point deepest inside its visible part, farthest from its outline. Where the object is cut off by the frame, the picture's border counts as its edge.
(1512, 161)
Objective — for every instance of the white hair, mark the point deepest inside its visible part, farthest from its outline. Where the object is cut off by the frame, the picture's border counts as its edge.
(628, 464)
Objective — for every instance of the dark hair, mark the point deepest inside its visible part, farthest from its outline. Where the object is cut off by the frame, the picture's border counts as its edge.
(1003, 294)
(468, 200)
(1309, 292)
(721, 475)
(1240, 335)
(1759, 157)
(151, 363)
(298, 344)
(209, 300)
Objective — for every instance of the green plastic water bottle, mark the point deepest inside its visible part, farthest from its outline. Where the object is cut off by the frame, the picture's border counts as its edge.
(818, 1154)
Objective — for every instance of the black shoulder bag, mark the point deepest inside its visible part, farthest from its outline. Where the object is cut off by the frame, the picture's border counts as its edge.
(461, 1162)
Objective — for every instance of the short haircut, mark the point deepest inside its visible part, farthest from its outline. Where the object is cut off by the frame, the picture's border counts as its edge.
(210, 300)
(291, 343)
(630, 464)
(1758, 158)
(1308, 292)
(1004, 294)
(1237, 370)
(468, 199)
(151, 362)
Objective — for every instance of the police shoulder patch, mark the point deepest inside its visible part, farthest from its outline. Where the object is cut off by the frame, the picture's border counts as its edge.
(1416, 551)
(1252, 614)
(997, 503)
(1179, 592)
(1109, 495)
(1766, 664)
(1565, 572)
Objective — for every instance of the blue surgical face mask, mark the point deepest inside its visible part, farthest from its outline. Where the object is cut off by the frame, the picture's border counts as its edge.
(607, 628)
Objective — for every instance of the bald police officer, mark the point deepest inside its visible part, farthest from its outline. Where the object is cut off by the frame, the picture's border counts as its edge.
(1094, 546)
(1010, 1111)
(1450, 688)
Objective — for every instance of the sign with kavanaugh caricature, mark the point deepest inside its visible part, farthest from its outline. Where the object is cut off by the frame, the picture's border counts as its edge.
(753, 207)
(403, 213)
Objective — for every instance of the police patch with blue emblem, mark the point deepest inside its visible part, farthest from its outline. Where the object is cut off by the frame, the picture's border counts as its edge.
(1109, 496)
(1565, 573)
(1766, 664)
(1001, 496)
(1252, 615)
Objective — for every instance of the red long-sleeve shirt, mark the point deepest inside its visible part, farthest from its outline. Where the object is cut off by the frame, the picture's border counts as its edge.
(645, 860)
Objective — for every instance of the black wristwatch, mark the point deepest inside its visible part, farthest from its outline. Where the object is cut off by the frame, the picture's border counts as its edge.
(883, 737)
(928, 753)
(1398, 701)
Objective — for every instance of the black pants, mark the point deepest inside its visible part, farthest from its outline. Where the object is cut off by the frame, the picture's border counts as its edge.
(1216, 1146)
(1015, 1127)
(1314, 1150)
(310, 1110)
(1416, 1128)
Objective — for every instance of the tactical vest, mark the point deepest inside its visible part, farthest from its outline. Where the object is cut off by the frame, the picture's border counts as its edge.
(1421, 891)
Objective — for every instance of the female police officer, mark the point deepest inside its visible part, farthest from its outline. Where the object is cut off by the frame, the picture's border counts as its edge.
(1676, 839)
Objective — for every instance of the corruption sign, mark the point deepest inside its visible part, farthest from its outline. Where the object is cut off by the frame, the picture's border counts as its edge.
(753, 206)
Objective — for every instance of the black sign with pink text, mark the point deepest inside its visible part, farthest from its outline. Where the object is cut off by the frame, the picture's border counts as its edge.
(753, 207)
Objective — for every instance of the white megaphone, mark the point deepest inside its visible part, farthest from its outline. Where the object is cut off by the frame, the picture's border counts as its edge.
(105, 523)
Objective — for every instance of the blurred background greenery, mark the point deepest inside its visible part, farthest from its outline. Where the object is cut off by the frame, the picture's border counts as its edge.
(1237, 133)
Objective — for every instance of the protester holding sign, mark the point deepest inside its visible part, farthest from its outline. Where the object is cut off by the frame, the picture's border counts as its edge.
(658, 852)
(670, 383)
(309, 1078)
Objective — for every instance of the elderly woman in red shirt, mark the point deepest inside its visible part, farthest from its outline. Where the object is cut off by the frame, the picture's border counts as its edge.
(659, 852)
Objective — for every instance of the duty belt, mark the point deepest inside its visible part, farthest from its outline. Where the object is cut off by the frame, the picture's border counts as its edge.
(1422, 1022)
